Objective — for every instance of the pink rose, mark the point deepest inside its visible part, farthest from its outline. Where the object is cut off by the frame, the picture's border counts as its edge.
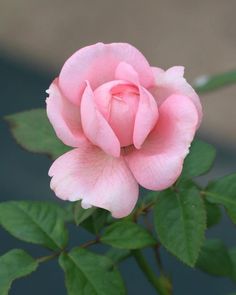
(129, 124)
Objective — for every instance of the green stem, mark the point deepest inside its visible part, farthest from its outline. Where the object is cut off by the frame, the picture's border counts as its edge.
(158, 258)
(155, 247)
(56, 254)
(142, 210)
(90, 243)
(49, 257)
(150, 275)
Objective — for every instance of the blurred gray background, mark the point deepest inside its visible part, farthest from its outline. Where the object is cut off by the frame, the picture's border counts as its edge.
(36, 37)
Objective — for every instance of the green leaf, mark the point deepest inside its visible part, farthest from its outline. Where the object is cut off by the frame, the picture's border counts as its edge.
(32, 130)
(209, 83)
(199, 160)
(127, 235)
(214, 259)
(80, 214)
(213, 214)
(69, 212)
(14, 265)
(88, 273)
(95, 222)
(223, 191)
(180, 222)
(36, 222)
(118, 255)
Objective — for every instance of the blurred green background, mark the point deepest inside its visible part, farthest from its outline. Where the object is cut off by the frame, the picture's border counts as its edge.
(36, 37)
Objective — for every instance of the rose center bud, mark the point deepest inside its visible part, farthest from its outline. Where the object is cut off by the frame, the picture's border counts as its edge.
(118, 102)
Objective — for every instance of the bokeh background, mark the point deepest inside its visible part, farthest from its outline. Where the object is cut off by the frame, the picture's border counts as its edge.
(36, 37)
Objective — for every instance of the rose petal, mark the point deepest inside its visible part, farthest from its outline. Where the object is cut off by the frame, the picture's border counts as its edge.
(159, 162)
(118, 101)
(96, 127)
(146, 117)
(172, 82)
(156, 71)
(126, 72)
(97, 64)
(64, 117)
(103, 95)
(98, 179)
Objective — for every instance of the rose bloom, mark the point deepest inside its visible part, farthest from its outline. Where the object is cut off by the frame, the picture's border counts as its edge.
(130, 124)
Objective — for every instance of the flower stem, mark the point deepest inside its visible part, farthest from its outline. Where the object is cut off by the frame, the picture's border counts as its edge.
(90, 243)
(56, 254)
(159, 283)
(158, 258)
(142, 210)
(49, 257)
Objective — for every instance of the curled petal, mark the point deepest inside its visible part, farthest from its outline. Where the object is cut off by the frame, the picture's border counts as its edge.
(146, 117)
(159, 162)
(96, 178)
(97, 63)
(103, 95)
(96, 127)
(118, 101)
(64, 117)
(172, 82)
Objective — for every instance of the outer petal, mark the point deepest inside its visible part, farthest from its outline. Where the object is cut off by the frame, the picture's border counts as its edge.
(96, 127)
(64, 117)
(146, 117)
(96, 178)
(159, 163)
(172, 82)
(97, 64)
(156, 71)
